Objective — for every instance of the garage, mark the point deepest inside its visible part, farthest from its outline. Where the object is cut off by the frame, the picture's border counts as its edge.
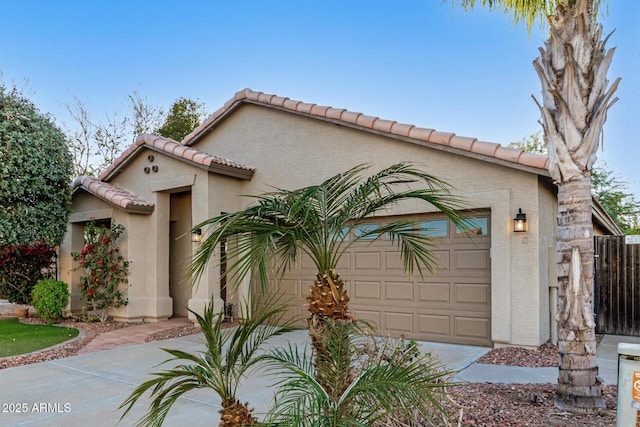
(451, 305)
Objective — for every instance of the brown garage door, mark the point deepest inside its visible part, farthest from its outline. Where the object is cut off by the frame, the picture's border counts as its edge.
(452, 305)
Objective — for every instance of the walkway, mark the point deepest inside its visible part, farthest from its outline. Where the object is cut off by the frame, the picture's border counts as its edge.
(132, 335)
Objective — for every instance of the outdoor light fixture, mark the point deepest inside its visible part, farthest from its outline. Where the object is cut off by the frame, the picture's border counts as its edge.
(196, 236)
(520, 222)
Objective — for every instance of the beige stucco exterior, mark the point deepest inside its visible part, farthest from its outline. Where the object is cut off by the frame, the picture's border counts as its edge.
(291, 150)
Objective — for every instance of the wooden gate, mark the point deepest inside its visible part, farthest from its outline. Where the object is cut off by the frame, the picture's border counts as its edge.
(617, 286)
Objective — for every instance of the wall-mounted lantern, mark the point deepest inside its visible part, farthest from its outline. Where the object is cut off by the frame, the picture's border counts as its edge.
(196, 235)
(520, 222)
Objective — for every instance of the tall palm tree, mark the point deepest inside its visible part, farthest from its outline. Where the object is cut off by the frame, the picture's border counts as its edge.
(230, 354)
(284, 224)
(576, 96)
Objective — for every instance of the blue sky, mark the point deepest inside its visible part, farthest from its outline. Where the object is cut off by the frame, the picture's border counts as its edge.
(424, 62)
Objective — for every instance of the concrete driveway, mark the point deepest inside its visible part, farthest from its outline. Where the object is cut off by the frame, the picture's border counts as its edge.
(87, 389)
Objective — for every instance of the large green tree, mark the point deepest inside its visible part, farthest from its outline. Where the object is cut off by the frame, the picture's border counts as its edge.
(576, 96)
(35, 174)
(183, 117)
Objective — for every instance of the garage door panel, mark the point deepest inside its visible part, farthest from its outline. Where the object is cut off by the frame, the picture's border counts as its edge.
(290, 287)
(433, 324)
(471, 327)
(442, 260)
(372, 316)
(393, 261)
(472, 293)
(438, 293)
(471, 259)
(306, 266)
(367, 261)
(367, 290)
(399, 291)
(400, 322)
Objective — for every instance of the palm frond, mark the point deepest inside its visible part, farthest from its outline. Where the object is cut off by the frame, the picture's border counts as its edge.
(392, 381)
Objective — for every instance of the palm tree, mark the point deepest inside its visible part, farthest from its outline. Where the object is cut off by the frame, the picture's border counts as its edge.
(230, 354)
(576, 96)
(283, 224)
(396, 382)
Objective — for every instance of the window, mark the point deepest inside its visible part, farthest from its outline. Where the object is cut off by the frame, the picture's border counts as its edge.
(475, 227)
(342, 235)
(367, 231)
(435, 228)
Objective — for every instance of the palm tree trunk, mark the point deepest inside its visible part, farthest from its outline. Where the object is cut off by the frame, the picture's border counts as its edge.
(236, 414)
(579, 387)
(575, 99)
(328, 307)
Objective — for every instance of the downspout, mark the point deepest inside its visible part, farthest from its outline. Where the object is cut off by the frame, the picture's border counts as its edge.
(553, 293)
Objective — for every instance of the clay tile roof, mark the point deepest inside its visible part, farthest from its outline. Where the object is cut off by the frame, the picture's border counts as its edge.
(113, 195)
(445, 140)
(182, 152)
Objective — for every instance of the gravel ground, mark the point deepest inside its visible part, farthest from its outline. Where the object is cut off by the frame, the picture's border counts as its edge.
(479, 404)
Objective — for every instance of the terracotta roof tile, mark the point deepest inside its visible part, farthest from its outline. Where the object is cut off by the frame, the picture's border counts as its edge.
(441, 138)
(291, 104)
(365, 121)
(335, 113)
(255, 96)
(534, 160)
(401, 129)
(263, 97)
(509, 154)
(304, 107)
(383, 125)
(464, 144)
(350, 117)
(113, 195)
(420, 133)
(278, 101)
(319, 110)
(485, 148)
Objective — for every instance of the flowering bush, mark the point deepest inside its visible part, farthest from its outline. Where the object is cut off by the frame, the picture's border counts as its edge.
(21, 266)
(105, 269)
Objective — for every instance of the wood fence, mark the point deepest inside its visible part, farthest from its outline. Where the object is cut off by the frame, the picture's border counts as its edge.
(617, 286)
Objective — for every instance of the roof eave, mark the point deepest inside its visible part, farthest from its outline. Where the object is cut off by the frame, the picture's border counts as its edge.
(130, 208)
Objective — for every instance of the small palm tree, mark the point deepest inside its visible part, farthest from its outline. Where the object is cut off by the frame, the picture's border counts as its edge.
(313, 220)
(230, 354)
(396, 382)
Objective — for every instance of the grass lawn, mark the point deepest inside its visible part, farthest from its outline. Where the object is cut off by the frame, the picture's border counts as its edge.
(19, 338)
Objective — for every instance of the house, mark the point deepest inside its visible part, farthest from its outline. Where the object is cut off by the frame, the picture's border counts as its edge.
(493, 289)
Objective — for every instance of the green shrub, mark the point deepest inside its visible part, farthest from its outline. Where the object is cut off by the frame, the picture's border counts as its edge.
(50, 297)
